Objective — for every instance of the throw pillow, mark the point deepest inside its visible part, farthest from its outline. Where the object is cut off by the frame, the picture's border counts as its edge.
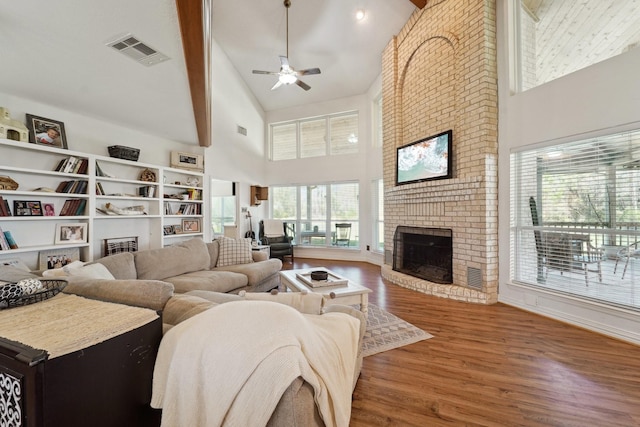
(92, 271)
(11, 274)
(304, 302)
(234, 252)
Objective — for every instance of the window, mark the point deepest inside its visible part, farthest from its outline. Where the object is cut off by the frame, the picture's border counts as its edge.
(335, 134)
(223, 212)
(316, 209)
(575, 213)
(558, 37)
(313, 138)
(378, 215)
(287, 140)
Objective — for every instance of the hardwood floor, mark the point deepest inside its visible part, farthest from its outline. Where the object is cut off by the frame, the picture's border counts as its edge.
(489, 366)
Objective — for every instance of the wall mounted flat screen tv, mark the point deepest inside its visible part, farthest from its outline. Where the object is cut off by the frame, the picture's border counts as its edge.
(424, 160)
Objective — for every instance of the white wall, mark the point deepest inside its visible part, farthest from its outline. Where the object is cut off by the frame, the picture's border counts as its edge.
(92, 135)
(601, 99)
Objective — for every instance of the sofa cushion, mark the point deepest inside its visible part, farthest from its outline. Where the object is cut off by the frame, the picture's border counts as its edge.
(206, 280)
(214, 252)
(121, 266)
(181, 307)
(256, 272)
(151, 294)
(234, 251)
(184, 257)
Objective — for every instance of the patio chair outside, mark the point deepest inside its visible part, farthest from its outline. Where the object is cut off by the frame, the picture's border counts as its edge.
(343, 234)
(627, 253)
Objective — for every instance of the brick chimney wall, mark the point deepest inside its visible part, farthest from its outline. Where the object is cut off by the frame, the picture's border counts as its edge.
(440, 73)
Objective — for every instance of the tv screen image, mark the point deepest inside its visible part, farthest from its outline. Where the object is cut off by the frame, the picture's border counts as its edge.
(424, 160)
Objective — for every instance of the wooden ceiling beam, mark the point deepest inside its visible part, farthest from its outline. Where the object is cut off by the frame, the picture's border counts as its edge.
(192, 28)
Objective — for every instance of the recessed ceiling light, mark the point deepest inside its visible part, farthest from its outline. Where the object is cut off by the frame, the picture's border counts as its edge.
(360, 14)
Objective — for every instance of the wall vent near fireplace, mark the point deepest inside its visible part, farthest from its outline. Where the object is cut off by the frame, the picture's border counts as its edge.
(388, 257)
(474, 278)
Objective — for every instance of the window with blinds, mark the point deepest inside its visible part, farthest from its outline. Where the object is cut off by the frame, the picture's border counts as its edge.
(575, 217)
(335, 134)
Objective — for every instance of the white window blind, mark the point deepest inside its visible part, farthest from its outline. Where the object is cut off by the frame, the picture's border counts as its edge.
(344, 134)
(575, 211)
(313, 141)
(284, 141)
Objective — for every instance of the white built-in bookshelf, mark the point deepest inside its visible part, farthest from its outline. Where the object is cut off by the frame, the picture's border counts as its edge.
(105, 197)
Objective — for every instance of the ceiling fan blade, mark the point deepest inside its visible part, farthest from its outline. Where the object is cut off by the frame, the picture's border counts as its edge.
(277, 85)
(303, 85)
(308, 71)
(284, 61)
(275, 73)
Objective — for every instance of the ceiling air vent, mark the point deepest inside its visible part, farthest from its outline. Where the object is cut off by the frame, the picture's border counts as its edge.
(138, 51)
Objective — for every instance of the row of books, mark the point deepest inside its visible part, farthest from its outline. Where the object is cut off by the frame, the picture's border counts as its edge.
(73, 165)
(183, 209)
(75, 186)
(7, 241)
(73, 207)
(4, 207)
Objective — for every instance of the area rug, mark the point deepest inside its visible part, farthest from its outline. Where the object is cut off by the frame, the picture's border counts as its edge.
(386, 332)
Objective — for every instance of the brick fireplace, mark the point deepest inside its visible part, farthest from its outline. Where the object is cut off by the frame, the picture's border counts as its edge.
(439, 73)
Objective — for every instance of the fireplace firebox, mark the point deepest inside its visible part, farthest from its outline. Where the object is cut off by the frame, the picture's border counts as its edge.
(425, 253)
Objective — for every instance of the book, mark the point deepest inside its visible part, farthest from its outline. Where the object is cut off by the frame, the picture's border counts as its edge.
(3, 208)
(4, 245)
(10, 240)
(80, 207)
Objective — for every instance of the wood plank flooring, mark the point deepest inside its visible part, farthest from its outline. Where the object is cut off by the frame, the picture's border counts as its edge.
(489, 366)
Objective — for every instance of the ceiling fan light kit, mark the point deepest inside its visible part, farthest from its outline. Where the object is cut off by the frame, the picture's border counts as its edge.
(287, 74)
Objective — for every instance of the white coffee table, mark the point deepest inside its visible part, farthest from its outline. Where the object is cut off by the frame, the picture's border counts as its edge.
(351, 293)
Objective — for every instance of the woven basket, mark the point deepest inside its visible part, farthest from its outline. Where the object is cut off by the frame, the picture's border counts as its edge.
(50, 288)
(6, 183)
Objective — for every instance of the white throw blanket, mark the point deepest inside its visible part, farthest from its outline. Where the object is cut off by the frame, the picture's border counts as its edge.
(231, 364)
(273, 228)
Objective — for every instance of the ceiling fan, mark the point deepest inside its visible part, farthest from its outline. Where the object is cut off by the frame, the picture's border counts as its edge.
(287, 74)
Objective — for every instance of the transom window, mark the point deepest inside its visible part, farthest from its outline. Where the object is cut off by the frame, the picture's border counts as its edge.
(558, 37)
(334, 134)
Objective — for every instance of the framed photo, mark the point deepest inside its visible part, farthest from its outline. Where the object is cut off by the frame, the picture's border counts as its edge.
(75, 232)
(49, 209)
(177, 229)
(46, 131)
(191, 226)
(187, 161)
(58, 258)
(27, 208)
(169, 230)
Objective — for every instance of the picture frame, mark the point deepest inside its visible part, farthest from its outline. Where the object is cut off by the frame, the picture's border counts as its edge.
(71, 232)
(191, 226)
(168, 230)
(57, 258)
(177, 229)
(183, 160)
(49, 209)
(27, 208)
(49, 132)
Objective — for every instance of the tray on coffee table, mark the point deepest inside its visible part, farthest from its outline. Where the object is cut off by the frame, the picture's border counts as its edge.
(332, 280)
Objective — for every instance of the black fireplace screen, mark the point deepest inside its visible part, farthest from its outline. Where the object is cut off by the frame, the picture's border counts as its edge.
(426, 253)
